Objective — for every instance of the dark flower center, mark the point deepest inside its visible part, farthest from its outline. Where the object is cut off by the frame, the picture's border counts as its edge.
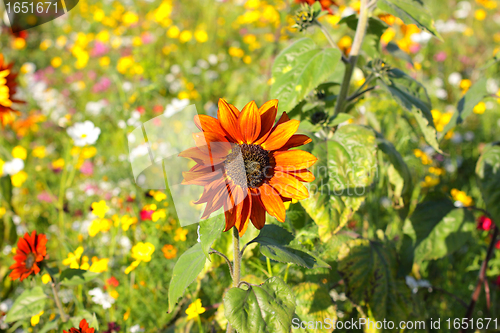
(248, 165)
(30, 260)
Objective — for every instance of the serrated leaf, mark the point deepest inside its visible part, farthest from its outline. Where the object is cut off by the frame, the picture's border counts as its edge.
(394, 49)
(267, 308)
(314, 304)
(369, 272)
(411, 12)
(412, 95)
(466, 105)
(74, 277)
(439, 229)
(186, 269)
(31, 302)
(399, 166)
(344, 174)
(210, 231)
(488, 175)
(274, 243)
(300, 68)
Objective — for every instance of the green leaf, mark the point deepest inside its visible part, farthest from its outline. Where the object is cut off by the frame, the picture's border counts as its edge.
(439, 229)
(267, 308)
(89, 317)
(412, 95)
(210, 231)
(466, 105)
(394, 49)
(369, 272)
(300, 68)
(488, 175)
(186, 269)
(6, 189)
(375, 26)
(344, 174)
(50, 326)
(400, 168)
(314, 304)
(339, 119)
(411, 12)
(274, 242)
(31, 302)
(74, 277)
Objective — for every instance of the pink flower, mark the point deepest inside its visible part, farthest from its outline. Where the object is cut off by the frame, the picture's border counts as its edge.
(103, 85)
(87, 168)
(46, 197)
(99, 49)
(146, 38)
(414, 48)
(440, 56)
(484, 223)
(146, 214)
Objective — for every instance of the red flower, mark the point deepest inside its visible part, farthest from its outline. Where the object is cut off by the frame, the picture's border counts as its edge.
(325, 4)
(484, 223)
(112, 281)
(146, 215)
(84, 328)
(30, 252)
(497, 245)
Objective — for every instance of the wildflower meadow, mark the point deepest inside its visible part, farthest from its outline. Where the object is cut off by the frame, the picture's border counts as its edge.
(249, 166)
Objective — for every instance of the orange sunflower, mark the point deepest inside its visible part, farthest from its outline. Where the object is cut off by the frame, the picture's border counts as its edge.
(84, 328)
(30, 252)
(7, 90)
(244, 163)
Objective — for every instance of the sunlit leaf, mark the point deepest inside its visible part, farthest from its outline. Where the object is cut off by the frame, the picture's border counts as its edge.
(186, 269)
(210, 231)
(314, 304)
(267, 308)
(74, 277)
(28, 304)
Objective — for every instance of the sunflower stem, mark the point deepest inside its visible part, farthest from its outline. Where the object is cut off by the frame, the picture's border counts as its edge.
(58, 302)
(269, 268)
(330, 39)
(353, 56)
(236, 267)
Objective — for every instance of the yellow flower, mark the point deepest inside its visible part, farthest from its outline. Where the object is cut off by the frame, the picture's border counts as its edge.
(89, 152)
(124, 63)
(2, 212)
(480, 14)
(19, 178)
(159, 214)
(99, 225)
(127, 221)
(126, 315)
(104, 61)
(114, 294)
(100, 208)
(163, 11)
(465, 85)
(99, 265)
(58, 164)
(36, 319)
(45, 44)
(429, 181)
(480, 108)
(173, 32)
(39, 152)
(185, 36)
(462, 197)
(195, 309)
(180, 234)
(158, 195)
(73, 258)
(169, 251)
(56, 62)
(19, 152)
(46, 278)
(130, 18)
(19, 43)
(103, 36)
(426, 160)
(143, 251)
(201, 36)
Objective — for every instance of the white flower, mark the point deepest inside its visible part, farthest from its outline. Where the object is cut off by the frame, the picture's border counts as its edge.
(95, 108)
(12, 167)
(463, 9)
(136, 329)
(454, 78)
(85, 133)
(176, 106)
(101, 298)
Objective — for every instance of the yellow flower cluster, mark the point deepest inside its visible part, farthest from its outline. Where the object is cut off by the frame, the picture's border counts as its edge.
(462, 197)
(75, 260)
(125, 221)
(426, 160)
(195, 309)
(140, 252)
(441, 119)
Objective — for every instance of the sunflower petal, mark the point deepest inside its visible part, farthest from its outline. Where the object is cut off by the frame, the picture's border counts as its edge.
(272, 202)
(228, 118)
(258, 215)
(295, 141)
(280, 135)
(288, 186)
(303, 175)
(293, 160)
(208, 124)
(268, 113)
(249, 122)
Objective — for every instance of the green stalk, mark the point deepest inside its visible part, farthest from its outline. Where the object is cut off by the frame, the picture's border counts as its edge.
(236, 267)
(353, 56)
